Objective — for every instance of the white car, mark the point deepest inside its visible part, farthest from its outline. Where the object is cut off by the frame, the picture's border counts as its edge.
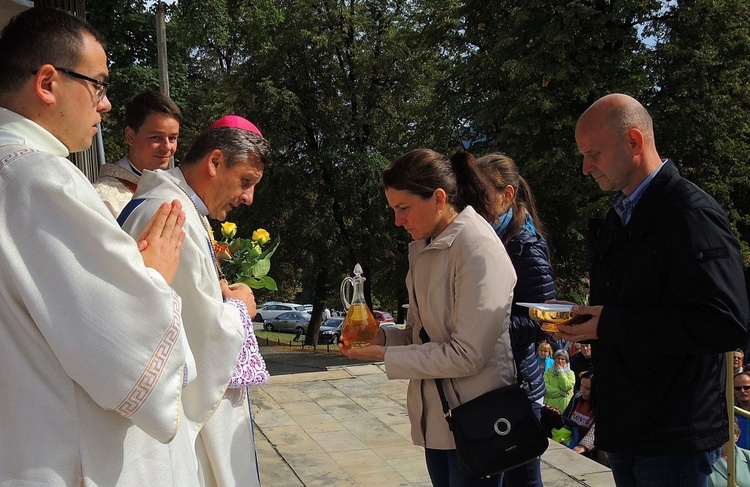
(273, 309)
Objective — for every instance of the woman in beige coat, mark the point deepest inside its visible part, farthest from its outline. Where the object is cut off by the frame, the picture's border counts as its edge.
(460, 284)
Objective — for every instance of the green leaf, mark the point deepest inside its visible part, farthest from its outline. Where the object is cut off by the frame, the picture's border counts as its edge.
(236, 245)
(261, 268)
(252, 282)
(268, 283)
(264, 282)
(270, 250)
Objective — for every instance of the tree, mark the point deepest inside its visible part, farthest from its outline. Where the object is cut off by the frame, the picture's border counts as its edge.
(340, 87)
(701, 100)
(130, 29)
(531, 69)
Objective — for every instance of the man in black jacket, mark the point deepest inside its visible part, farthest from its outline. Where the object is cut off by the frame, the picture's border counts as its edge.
(581, 363)
(667, 298)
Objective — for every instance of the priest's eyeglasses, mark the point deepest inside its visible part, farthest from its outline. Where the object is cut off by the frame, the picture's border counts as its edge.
(100, 87)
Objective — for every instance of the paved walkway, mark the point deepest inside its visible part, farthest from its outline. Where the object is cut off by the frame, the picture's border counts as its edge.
(347, 426)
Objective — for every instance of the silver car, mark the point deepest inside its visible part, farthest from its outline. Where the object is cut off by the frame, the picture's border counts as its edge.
(291, 322)
(273, 309)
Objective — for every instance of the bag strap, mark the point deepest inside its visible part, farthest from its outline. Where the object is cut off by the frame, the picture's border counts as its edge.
(446, 410)
(439, 383)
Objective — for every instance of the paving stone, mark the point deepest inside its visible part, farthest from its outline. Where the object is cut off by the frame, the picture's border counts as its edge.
(284, 394)
(360, 462)
(318, 470)
(390, 415)
(274, 471)
(308, 377)
(302, 408)
(269, 418)
(352, 410)
(360, 370)
(334, 441)
(398, 451)
(320, 424)
(380, 479)
(412, 468)
(375, 401)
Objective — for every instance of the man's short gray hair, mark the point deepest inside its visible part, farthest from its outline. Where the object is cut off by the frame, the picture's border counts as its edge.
(237, 145)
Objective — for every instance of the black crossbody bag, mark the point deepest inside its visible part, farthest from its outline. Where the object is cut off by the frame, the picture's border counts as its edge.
(494, 432)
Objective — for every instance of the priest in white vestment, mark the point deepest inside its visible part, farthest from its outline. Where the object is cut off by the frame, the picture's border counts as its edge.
(152, 130)
(93, 345)
(219, 173)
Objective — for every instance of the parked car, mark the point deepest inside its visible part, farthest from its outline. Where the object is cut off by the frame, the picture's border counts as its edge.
(308, 307)
(290, 321)
(390, 324)
(330, 330)
(383, 318)
(272, 309)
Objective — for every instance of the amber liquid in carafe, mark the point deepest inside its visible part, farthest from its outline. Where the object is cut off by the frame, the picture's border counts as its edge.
(360, 327)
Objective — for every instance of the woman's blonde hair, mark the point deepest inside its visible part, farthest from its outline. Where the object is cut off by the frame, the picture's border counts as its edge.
(545, 346)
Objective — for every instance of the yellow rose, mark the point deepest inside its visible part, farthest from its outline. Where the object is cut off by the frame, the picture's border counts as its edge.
(229, 229)
(261, 236)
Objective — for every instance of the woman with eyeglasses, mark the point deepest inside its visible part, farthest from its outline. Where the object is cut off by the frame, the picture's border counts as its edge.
(742, 399)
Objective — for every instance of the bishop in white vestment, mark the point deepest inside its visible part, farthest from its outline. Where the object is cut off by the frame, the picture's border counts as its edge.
(215, 331)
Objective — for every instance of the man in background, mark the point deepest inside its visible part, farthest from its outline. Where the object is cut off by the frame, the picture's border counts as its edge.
(742, 400)
(581, 363)
(667, 300)
(738, 359)
(152, 127)
(93, 345)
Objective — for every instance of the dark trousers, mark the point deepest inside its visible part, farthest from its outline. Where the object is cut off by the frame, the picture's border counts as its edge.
(528, 474)
(442, 465)
(682, 470)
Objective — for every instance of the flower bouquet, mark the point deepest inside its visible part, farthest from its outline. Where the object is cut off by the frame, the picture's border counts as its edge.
(246, 260)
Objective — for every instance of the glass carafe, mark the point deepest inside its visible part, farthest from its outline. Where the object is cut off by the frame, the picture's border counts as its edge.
(360, 327)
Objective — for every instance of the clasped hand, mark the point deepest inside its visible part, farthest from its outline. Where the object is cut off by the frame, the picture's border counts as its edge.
(242, 292)
(160, 242)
